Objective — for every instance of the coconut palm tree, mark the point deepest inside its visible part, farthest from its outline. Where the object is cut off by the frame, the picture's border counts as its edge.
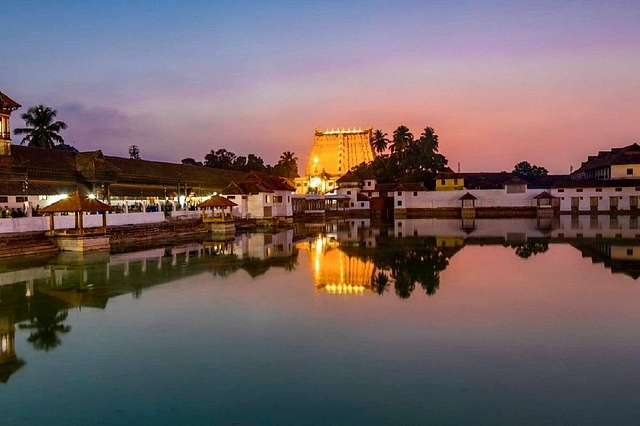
(43, 132)
(289, 164)
(402, 139)
(379, 141)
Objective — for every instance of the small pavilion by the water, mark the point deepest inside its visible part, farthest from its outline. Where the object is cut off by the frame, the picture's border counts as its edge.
(217, 212)
(79, 238)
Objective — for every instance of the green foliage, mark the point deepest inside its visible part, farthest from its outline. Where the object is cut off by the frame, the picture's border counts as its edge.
(379, 142)
(43, 130)
(287, 166)
(524, 169)
(134, 152)
(191, 162)
(410, 160)
(64, 147)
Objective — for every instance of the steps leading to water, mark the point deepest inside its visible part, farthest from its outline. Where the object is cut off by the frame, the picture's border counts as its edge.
(26, 244)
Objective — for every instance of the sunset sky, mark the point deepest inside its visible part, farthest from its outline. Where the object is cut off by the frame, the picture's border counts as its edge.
(549, 82)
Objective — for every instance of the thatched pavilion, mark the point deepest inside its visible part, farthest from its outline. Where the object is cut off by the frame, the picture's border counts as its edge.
(79, 239)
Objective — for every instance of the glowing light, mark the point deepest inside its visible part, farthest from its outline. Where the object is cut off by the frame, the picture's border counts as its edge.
(315, 160)
(92, 196)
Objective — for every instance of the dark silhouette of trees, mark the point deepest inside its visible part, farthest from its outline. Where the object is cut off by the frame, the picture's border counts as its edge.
(191, 162)
(379, 142)
(46, 323)
(43, 130)
(134, 152)
(410, 160)
(287, 166)
(524, 169)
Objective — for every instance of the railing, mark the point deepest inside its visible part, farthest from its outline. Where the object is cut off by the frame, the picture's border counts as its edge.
(5, 135)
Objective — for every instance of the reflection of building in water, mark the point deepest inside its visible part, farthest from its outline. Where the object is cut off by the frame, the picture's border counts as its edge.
(334, 271)
(353, 232)
(620, 257)
(265, 246)
(9, 362)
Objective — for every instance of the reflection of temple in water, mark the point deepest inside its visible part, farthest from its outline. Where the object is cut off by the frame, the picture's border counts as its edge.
(334, 271)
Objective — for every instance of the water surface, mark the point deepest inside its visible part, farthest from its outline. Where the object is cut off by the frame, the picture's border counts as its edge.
(341, 323)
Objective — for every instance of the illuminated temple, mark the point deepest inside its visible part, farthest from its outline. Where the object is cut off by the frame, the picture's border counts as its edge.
(333, 154)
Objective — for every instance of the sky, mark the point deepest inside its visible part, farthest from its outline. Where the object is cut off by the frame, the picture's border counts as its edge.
(549, 82)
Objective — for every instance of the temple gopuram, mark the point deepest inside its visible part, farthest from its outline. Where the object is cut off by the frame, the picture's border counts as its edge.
(333, 154)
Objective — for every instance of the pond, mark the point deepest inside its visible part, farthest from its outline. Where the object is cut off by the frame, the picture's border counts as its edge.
(344, 322)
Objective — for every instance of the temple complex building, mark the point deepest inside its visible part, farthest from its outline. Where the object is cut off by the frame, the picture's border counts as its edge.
(7, 106)
(334, 153)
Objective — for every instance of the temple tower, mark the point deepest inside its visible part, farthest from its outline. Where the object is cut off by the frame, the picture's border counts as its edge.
(7, 106)
(333, 154)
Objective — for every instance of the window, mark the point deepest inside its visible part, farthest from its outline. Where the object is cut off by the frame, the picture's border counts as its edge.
(399, 194)
(351, 204)
(618, 189)
(21, 199)
(368, 183)
(348, 192)
(267, 198)
(361, 204)
(231, 197)
(339, 169)
(561, 190)
(455, 181)
(415, 193)
(598, 189)
(4, 199)
(630, 252)
(399, 224)
(399, 203)
(629, 172)
(442, 182)
(579, 190)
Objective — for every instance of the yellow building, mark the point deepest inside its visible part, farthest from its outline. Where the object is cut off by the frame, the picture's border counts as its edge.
(333, 154)
(449, 181)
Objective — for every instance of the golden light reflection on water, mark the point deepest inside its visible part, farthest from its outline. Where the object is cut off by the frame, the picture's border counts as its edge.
(334, 271)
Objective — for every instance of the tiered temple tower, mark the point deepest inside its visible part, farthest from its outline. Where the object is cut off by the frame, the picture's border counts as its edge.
(333, 154)
(7, 106)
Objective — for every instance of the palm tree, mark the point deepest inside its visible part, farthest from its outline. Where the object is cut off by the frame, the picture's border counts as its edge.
(379, 141)
(289, 163)
(43, 132)
(402, 139)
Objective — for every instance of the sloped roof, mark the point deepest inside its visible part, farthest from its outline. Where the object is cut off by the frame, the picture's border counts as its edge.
(256, 182)
(77, 202)
(42, 158)
(157, 171)
(486, 180)
(468, 196)
(217, 201)
(629, 154)
(362, 197)
(8, 103)
(93, 161)
(404, 186)
(597, 183)
(543, 194)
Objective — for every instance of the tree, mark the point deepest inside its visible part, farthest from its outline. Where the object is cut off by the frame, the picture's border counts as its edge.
(410, 160)
(287, 166)
(64, 147)
(402, 138)
(524, 169)
(191, 162)
(134, 152)
(379, 142)
(220, 159)
(43, 130)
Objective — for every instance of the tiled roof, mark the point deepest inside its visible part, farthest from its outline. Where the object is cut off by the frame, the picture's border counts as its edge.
(597, 183)
(256, 182)
(405, 186)
(627, 155)
(7, 102)
(77, 202)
